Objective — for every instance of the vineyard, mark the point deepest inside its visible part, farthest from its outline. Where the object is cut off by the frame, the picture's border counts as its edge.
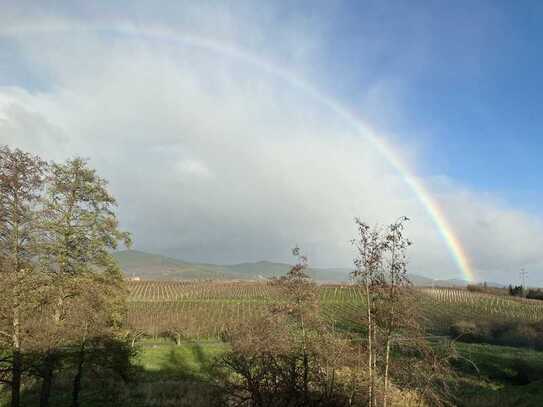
(205, 309)
(443, 306)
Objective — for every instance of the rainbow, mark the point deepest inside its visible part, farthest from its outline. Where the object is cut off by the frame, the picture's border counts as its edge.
(429, 203)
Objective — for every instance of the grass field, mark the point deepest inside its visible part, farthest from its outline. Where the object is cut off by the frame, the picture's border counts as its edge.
(500, 376)
(497, 382)
(164, 375)
(170, 375)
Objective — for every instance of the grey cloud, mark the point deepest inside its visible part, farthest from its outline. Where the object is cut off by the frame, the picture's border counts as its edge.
(214, 160)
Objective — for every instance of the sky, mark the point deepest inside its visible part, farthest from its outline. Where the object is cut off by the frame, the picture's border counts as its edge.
(232, 131)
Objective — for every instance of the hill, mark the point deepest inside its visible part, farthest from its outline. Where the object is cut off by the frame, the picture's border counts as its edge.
(148, 266)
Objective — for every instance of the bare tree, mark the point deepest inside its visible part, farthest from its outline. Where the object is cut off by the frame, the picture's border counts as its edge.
(290, 356)
(392, 315)
(302, 295)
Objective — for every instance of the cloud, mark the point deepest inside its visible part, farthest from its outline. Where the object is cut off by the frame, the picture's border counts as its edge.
(23, 126)
(213, 159)
(501, 240)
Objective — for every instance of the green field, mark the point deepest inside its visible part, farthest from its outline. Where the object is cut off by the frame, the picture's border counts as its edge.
(170, 375)
(163, 375)
(497, 382)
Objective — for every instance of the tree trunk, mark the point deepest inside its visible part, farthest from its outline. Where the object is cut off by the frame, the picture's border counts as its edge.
(370, 348)
(135, 338)
(76, 391)
(387, 361)
(306, 378)
(57, 315)
(390, 327)
(305, 362)
(16, 368)
(47, 381)
(374, 350)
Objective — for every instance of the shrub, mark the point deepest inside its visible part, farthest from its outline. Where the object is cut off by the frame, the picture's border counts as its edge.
(469, 331)
(535, 294)
(272, 365)
(509, 333)
(526, 372)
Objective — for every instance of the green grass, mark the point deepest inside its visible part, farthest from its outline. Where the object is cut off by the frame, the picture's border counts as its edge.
(170, 375)
(503, 363)
(190, 360)
(164, 375)
(497, 381)
(503, 376)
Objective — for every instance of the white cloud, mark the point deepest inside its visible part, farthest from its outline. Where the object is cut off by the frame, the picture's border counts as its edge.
(219, 161)
(193, 167)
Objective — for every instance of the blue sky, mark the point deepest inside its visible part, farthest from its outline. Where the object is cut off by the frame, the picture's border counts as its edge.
(470, 79)
(455, 87)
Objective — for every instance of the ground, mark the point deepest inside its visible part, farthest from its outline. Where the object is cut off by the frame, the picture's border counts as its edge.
(170, 375)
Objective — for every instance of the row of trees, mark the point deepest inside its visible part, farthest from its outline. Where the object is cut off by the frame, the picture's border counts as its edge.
(530, 293)
(514, 291)
(62, 292)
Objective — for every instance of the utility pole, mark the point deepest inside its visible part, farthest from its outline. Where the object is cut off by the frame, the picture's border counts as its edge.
(523, 275)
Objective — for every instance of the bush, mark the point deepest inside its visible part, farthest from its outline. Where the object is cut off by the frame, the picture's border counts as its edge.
(526, 372)
(535, 294)
(510, 333)
(520, 335)
(469, 331)
(484, 288)
(271, 364)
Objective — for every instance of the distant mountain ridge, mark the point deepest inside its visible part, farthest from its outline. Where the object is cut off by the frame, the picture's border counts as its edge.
(149, 266)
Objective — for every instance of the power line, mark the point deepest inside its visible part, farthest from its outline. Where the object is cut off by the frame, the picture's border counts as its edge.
(523, 275)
